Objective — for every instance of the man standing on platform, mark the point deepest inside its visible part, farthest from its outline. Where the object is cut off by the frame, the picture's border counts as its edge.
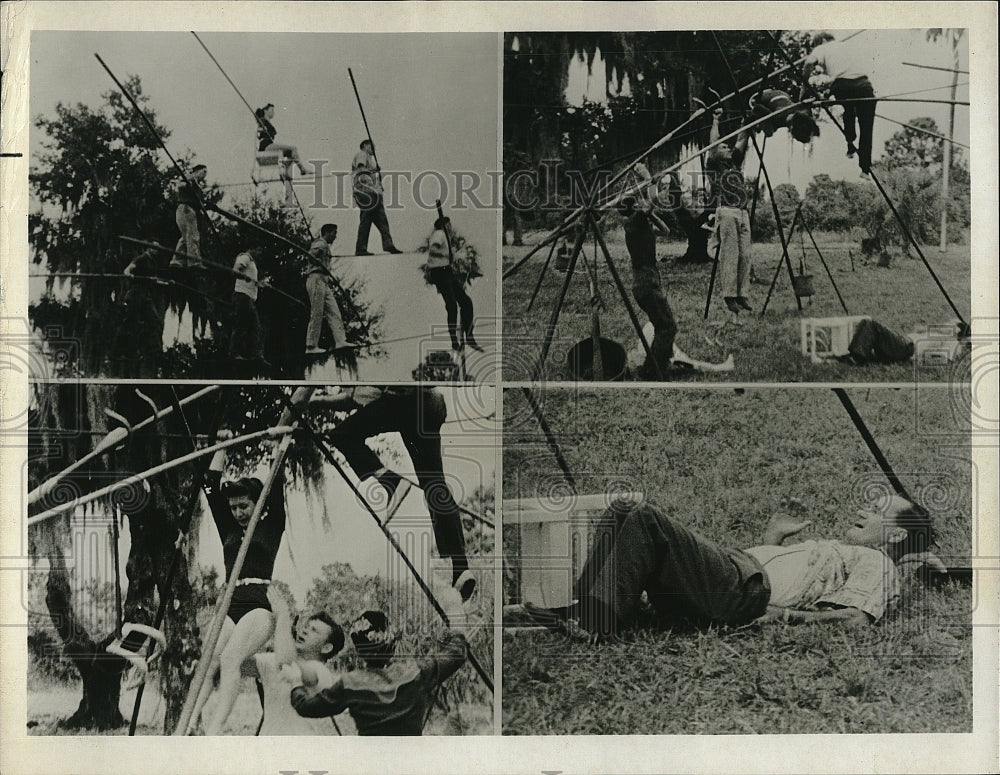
(368, 196)
(322, 301)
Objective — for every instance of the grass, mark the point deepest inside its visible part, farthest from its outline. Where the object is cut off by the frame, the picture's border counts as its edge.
(767, 349)
(722, 461)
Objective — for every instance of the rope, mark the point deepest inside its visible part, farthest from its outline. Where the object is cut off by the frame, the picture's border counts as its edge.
(121, 275)
(922, 130)
(328, 455)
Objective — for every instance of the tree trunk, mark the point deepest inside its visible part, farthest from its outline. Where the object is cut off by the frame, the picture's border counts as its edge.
(99, 671)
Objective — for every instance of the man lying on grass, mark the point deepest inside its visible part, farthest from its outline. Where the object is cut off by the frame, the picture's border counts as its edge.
(685, 576)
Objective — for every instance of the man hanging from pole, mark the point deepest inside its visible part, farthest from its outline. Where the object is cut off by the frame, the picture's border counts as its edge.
(842, 63)
(417, 414)
(728, 195)
(441, 272)
(368, 196)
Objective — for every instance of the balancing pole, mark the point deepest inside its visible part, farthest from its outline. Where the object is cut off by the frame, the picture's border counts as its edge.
(872, 445)
(549, 437)
(378, 167)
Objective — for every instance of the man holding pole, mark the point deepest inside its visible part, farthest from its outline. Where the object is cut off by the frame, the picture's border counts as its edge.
(368, 196)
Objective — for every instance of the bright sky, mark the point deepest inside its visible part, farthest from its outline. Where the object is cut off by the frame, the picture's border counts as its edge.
(431, 104)
(790, 162)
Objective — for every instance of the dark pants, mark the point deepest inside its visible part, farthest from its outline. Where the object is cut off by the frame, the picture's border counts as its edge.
(455, 298)
(874, 343)
(861, 112)
(245, 336)
(372, 212)
(685, 575)
(651, 300)
(417, 416)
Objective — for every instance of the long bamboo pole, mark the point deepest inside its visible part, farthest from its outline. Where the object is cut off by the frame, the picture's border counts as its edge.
(135, 479)
(111, 440)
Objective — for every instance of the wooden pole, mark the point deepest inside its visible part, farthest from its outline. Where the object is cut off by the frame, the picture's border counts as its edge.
(222, 605)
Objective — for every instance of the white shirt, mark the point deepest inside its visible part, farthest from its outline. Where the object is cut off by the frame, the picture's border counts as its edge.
(437, 250)
(247, 267)
(843, 59)
(807, 574)
(280, 717)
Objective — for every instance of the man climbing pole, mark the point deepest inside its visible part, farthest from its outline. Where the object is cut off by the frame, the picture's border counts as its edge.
(841, 61)
(417, 414)
(442, 273)
(245, 337)
(189, 216)
(368, 196)
(322, 301)
(732, 222)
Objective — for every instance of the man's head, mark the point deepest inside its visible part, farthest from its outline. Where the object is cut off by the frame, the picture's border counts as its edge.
(367, 146)
(627, 206)
(900, 527)
(822, 37)
(242, 496)
(373, 640)
(320, 638)
(441, 223)
(199, 171)
(328, 232)
(803, 126)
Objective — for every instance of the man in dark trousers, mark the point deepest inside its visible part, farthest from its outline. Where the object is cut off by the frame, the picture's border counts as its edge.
(368, 196)
(417, 414)
(688, 577)
(641, 243)
(386, 696)
(843, 62)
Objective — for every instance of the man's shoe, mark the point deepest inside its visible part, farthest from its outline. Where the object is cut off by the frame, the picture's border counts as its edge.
(363, 253)
(731, 304)
(465, 585)
(851, 150)
(177, 263)
(471, 341)
(393, 250)
(315, 351)
(742, 301)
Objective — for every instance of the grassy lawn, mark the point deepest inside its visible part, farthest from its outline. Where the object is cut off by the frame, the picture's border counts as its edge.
(722, 461)
(767, 349)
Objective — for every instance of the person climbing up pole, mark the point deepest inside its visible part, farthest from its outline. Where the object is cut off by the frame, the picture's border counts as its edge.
(366, 176)
(442, 272)
(417, 414)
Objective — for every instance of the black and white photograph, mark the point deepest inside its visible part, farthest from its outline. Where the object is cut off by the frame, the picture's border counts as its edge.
(759, 561)
(240, 206)
(260, 561)
(761, 205)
